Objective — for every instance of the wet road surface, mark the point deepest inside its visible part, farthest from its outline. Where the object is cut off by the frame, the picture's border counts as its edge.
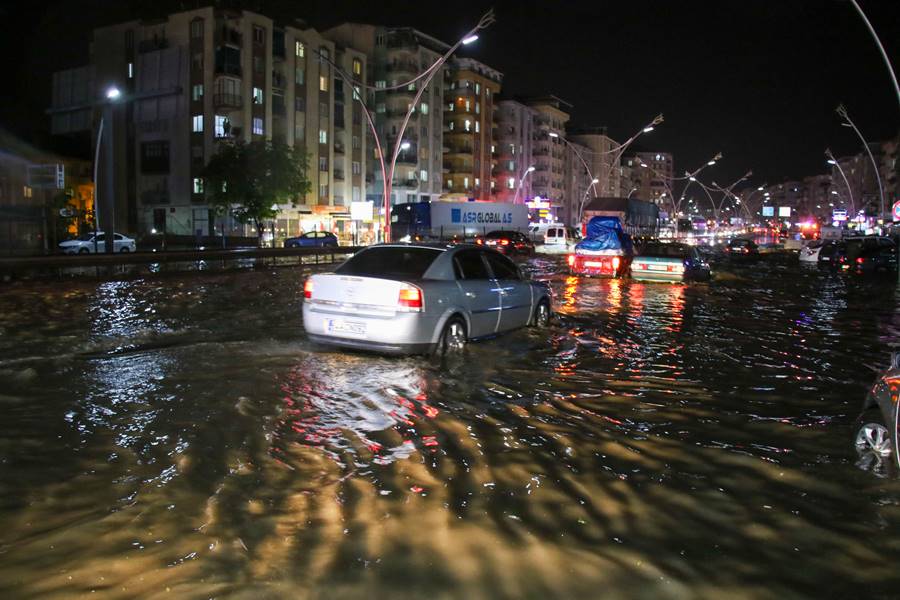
(179, 437)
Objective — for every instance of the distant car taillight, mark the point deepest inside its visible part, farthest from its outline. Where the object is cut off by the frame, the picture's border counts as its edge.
(616, 261)
(479, 242)
(308, 289)
(504, 242)
(410, 297)
(860, 260)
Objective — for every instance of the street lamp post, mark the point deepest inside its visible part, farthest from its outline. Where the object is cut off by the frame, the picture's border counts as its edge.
(105, 139)
(842, 111)
(833, 161)
(528, 172)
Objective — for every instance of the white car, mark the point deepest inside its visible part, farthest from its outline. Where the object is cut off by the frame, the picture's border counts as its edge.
(810, 252)
(559, 239)
(84, 244)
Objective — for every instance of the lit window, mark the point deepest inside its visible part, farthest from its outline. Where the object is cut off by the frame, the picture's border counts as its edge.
(477, 126)
(468, 125)
(477, 88)
(198, 185)
(423, 175)
(477, 182)
(466, 182)
(380, 84)
(323, 163)
(511, 183)
(257, 95)
(258, 126)
(450, 107)
(299, 49)
(356, 141)
(219, 130)
(299, 75)
(130, 70)
(197, 92)
(411, 87)
(323, 83)
(259, 35)
(423, 108)
(323, 136)
(197, 124)
(380, 107)
(357, 66)
(323, 190)
(356, 194)
(477, 108)
(449, 183)
(451, 125)
(27, 192)
(356, 167)
(468, 106)
(493, 184)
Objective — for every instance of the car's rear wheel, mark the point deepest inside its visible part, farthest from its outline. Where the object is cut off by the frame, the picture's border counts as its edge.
(83, 251)
(453, 338)
(124, 249)
(541, 316)
(874, 444)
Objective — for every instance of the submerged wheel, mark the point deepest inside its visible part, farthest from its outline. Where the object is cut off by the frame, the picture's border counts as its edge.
(541, 316)
(453, 338)
(874, 446)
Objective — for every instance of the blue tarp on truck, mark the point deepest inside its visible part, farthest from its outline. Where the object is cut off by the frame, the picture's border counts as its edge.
(605, 233)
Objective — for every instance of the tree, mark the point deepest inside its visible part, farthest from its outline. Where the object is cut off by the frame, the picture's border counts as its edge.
(247, 179)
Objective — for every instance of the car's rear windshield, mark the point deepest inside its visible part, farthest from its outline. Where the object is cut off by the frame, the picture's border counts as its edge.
(665, 250)
(390, 262)
(495, 235)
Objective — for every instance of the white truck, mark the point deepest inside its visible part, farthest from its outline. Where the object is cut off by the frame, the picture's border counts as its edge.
(444, 220)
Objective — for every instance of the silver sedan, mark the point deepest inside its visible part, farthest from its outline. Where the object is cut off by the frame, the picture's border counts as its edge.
(402, 298)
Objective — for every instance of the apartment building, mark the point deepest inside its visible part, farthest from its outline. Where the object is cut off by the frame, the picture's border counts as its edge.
(514, 145)
(548, 151)
(470, 90)
(653, 181)
(603, 158)
(202, 78)
(396, 56)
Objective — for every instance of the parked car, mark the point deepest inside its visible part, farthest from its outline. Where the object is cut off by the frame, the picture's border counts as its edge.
(876, 428)
(507, 242)
(658, 261)
(421, 298)
(312, 239)
(84, 244)
(741, 250)
(866, 254)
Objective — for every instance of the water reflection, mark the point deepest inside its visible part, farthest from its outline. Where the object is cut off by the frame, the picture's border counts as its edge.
(172, 437)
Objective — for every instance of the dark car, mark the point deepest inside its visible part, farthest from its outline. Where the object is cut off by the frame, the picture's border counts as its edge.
(657, 261)
(508, 242)
(867, 254)
(741, 249)
(829, 252)
(312, 239)
(876, 427)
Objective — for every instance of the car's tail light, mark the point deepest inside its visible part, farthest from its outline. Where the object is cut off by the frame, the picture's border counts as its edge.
(571, 260)
(308, 289)
(504, 242)
(860, 260)
(616, 261)
(410, 297)
(479, 242)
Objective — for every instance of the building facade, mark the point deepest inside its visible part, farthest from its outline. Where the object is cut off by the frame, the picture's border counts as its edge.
(202, 78)
(514, 148)
(653, 181)
(603, 158)
(469, 129)
(548, 151)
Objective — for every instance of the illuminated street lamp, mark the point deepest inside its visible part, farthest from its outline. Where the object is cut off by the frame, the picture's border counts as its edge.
(112, 94)
(528, 172)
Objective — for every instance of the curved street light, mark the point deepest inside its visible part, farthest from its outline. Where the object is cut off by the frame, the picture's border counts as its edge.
(528, 172)
(834, 162)
(387, 173)
(842, 111)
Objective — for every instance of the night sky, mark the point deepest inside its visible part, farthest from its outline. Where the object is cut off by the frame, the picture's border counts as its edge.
(757, 80)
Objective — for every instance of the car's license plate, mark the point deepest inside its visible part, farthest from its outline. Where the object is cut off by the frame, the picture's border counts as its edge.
(341, 326)
(656, 267)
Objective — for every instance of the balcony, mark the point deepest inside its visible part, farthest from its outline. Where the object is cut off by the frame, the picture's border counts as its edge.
(338, 175)
(232, 69)
(226, 36)
(221, 100)
(464, 149)
(402, 66)
(338, 148)
(152, 45)
(408, 157)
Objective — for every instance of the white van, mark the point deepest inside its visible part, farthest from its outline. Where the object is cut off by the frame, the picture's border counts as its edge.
(559, 239)
(537, 231)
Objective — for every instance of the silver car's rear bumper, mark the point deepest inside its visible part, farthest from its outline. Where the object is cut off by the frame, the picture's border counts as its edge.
(401, 333)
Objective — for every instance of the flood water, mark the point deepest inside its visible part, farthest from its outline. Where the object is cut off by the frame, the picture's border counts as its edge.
(177, 436)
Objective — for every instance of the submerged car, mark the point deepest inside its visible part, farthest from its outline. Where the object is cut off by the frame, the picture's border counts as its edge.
(84, 244)
(658, 261)
(742, 249)
(421, 298)
(866, 254)
(605, 251)
(810, 252)
(508, 242)
(876, 428)
(312, 239)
